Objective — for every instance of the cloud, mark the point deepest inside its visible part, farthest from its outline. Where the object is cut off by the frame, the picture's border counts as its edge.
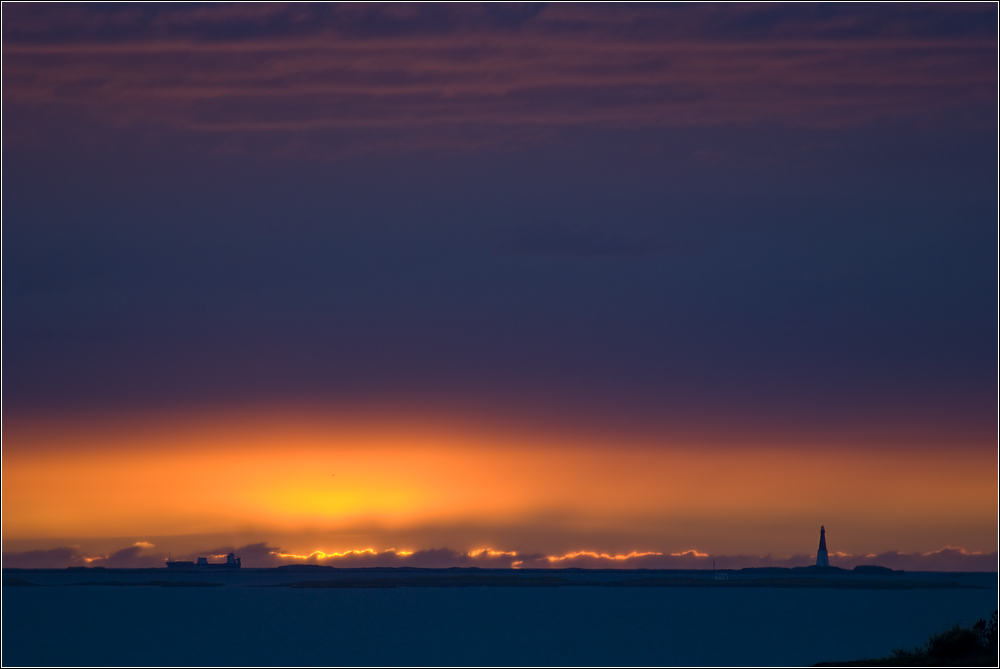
(434, 76)
(132, 557)
(437, 558)
(53, 558)
(946, 559)
(263, 555)
(136, 556)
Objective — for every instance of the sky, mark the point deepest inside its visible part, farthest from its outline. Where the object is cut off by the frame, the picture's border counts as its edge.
(500, 285)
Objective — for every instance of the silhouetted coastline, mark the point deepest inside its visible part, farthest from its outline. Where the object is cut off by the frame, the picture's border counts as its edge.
(324, 576)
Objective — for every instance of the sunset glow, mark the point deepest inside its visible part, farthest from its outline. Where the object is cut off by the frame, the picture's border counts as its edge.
(499, 334)
(254, 474)
(551, 286)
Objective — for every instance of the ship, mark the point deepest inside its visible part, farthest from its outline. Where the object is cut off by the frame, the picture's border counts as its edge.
(232, 562)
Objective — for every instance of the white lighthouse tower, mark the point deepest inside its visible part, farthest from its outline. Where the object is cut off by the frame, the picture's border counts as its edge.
(822, 559)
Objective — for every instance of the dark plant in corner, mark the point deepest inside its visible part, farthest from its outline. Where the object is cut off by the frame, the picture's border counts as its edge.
(959, 646)
(987, 631)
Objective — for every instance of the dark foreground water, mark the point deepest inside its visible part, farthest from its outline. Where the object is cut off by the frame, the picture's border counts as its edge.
(146, 625)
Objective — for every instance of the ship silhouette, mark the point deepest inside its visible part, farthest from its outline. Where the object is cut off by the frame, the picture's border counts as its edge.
(232, 562)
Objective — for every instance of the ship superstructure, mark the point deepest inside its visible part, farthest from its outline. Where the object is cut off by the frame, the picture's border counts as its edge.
(232, 562)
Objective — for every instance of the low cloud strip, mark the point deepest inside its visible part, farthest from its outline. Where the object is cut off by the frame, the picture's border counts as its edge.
(262, 555)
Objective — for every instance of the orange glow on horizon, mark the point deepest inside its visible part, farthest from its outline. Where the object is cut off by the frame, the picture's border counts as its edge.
(288, 477)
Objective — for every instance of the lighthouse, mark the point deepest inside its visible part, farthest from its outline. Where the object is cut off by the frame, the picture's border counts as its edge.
(822, 560)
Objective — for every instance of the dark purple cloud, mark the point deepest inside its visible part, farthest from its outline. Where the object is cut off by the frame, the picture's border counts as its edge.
(432, 77)
(132, 557)
(946, 559)
(53, 558)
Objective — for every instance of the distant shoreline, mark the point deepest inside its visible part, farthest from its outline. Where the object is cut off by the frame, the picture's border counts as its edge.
(541, 581)
(324, 577)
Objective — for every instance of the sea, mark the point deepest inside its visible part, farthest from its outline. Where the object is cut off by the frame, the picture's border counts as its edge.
(262, 618)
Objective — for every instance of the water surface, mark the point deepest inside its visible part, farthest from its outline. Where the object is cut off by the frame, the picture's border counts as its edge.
(102, 625)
